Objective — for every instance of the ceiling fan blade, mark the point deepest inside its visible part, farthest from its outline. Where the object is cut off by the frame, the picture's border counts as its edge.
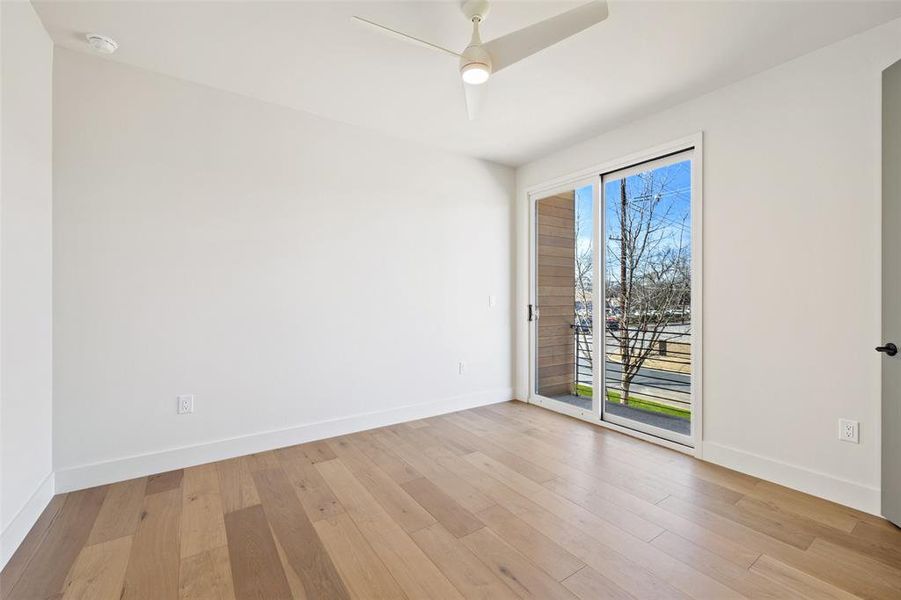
(473, 94)
(403, 36)
(513, 47)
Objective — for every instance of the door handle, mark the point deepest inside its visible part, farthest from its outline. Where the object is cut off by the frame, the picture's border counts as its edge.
(889, 349)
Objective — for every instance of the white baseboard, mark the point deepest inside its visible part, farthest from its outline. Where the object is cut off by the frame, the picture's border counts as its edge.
(100, 473)
(816, 483)
(13, 534)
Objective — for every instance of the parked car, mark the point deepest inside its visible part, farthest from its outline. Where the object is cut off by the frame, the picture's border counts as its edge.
(582, 325)
(612, 324)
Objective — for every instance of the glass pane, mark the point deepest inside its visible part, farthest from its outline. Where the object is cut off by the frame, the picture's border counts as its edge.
(564, 251)
(647, 304)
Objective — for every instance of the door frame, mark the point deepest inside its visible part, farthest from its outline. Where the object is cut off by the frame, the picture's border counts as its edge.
(593, 174)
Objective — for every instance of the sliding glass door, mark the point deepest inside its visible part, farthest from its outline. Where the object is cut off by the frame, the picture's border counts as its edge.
(647, 297)
(562, 311)
(613, 282)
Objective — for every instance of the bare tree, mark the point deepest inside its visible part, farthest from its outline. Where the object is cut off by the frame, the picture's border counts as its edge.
(647, 268)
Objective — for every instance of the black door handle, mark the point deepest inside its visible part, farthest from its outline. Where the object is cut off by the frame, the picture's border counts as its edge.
(889, 349)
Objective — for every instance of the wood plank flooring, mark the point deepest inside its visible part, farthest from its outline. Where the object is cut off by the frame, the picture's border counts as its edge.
(505, 501)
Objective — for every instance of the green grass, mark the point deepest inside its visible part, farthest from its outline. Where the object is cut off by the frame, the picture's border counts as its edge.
(639, 403)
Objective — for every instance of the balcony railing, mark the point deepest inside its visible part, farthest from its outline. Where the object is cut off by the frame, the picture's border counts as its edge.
(661, 385)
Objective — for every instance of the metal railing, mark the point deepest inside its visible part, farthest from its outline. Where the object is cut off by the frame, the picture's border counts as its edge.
(664, 377)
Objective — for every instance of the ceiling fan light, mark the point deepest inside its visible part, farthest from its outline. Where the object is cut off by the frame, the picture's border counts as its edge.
(475, 73)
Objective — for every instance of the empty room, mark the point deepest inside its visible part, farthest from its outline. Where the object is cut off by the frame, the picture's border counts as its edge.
(450, 299)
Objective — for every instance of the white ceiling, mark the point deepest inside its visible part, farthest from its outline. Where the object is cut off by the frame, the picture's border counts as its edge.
(310, 56)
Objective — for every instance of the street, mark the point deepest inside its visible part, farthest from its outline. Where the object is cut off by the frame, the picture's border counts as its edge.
(653, 382)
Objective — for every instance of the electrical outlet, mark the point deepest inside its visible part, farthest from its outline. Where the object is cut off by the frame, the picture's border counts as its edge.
(461, 367)
(848, 431)
(185, 404)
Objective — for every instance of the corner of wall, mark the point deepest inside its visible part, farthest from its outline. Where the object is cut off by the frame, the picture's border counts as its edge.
(26, 328)
(12, 536)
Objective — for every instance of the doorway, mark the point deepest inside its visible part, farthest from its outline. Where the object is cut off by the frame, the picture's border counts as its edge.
(615, 297)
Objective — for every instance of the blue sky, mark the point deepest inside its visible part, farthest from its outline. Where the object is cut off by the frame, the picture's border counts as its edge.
(673, 182)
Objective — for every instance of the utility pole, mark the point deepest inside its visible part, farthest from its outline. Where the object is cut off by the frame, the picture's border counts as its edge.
(624, 337)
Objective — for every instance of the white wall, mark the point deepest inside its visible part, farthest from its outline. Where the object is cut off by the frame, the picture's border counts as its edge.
(26, 483)
(287, 270)
(792, 261)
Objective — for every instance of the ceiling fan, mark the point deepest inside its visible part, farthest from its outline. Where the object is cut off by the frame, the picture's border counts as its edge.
(479, 60)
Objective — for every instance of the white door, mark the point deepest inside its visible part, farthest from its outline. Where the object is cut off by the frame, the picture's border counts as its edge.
(891, 293)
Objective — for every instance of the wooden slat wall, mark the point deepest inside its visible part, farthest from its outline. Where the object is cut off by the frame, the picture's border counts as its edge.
(556, 294)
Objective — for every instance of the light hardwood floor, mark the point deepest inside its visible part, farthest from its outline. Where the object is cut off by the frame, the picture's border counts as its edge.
(506, 501)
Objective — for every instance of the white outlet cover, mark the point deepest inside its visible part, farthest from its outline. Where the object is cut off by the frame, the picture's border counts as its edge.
(185, 404)
(849, 431)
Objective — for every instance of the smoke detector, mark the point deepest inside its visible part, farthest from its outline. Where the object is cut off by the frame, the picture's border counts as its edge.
(102, 43)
